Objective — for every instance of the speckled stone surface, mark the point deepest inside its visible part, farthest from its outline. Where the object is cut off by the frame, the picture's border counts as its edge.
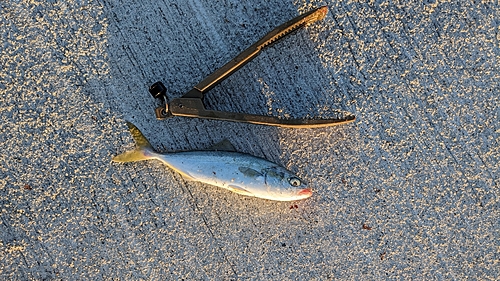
(408, 191)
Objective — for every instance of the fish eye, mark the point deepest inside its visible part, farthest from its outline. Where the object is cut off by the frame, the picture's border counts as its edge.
(294, 181)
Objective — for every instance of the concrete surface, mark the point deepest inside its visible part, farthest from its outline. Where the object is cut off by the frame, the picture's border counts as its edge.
(409, 191)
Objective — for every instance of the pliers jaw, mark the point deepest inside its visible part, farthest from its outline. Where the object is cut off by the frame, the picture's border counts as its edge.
(191, 103)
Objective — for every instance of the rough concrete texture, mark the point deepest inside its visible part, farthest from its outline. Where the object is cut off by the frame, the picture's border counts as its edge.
(408, 191)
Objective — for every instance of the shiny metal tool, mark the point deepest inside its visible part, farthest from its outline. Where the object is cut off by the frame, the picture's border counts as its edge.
(191, 103)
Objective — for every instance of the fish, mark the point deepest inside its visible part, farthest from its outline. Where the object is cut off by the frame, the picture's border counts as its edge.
(238, 172)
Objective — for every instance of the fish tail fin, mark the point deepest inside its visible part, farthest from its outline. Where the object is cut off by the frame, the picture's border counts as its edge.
(143, 151)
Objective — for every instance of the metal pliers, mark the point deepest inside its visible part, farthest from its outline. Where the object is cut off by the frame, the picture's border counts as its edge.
(191, 103)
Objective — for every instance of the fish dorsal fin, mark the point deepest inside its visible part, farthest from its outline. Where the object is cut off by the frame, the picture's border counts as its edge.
(223, 145)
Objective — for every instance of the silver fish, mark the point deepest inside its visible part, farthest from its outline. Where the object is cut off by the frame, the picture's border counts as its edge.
(241, 173)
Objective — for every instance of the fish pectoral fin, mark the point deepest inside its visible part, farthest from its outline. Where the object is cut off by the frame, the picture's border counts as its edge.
(249, 172)
(239, 190)
(223, 145)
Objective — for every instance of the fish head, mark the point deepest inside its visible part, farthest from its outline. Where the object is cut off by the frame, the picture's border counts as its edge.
(283, 185)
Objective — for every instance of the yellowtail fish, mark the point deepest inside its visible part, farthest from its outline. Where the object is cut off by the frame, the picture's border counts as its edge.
(241, 173)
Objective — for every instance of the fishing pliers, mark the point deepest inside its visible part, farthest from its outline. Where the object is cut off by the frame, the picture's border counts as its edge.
(191, 103)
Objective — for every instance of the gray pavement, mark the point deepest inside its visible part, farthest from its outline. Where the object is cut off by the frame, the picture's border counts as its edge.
(408, 191)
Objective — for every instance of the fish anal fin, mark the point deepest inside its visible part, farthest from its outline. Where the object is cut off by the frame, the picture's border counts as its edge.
(239, 190)
(187, 177)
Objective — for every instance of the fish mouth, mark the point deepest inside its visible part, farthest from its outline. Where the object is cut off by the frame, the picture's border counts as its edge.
(306, 192)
